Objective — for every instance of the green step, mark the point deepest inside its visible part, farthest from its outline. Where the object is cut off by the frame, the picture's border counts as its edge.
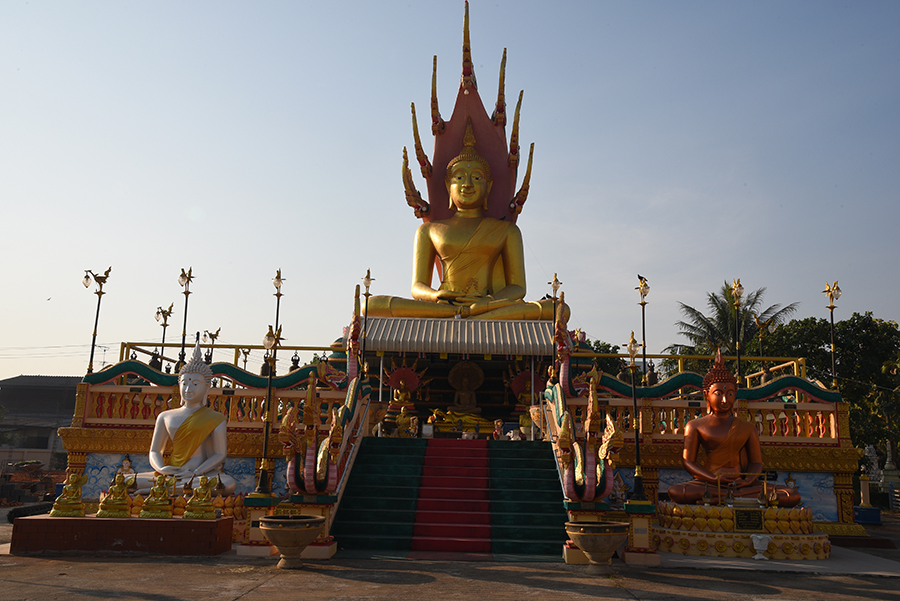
(378, 529)
(527, 513)
(377, 510)
(385, 480)
(354, 502)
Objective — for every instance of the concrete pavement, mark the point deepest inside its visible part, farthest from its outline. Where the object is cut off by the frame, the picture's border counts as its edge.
(849, 574)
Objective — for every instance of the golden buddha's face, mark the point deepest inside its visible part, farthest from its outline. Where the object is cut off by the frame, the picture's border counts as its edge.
(720, 398)
(468, 185)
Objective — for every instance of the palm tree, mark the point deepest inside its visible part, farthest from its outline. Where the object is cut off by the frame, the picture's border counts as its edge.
(717, 330)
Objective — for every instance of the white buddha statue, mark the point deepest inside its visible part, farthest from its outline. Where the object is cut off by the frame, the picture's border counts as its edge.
(198, 433)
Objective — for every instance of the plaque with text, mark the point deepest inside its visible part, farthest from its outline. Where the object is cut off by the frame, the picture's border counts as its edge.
(748, 520)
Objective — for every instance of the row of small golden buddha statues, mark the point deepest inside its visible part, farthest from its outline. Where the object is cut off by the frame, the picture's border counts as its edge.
(198, 503)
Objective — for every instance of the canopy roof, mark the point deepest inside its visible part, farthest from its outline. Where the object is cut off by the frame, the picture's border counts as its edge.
(459, 336)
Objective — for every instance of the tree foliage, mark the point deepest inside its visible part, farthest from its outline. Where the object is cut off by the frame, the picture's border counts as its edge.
(723, 326)
(609, 365)
(866, 348)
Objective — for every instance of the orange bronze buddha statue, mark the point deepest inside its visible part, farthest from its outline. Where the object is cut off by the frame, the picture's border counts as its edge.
(733, 455)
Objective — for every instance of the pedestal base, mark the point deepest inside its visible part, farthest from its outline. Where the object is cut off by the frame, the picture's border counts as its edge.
(739, 544)
(574, 556)
(175, 536)
(867, 515)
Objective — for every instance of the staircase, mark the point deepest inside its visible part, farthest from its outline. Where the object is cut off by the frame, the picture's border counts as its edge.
(527, 514)
(445, 495)
(378, 508)
(454, 509)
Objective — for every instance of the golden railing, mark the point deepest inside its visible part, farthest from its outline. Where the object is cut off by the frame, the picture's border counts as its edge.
(665, 420)
(108, 405)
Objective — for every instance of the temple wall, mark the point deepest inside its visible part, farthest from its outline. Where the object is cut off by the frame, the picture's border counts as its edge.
(100, 468)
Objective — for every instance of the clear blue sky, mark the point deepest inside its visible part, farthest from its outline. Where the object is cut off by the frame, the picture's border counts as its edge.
(691, 142)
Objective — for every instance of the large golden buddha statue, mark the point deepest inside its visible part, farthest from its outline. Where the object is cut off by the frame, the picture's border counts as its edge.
(469, 233)
(733, 454)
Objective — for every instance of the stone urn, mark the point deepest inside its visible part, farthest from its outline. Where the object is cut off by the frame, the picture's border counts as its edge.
(291, 534)
(598, 540)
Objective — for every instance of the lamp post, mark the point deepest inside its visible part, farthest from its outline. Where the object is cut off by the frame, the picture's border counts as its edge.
(367, 281)
(100, 280)
(163, 315)
(270, 342)
(834, 293)
(737, 290)
(638, 494)
(644, 289)
(184, 280)
(764, 326)
(211, 336)
(554, 285)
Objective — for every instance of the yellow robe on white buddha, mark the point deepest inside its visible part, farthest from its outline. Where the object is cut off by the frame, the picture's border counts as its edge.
(192, 432)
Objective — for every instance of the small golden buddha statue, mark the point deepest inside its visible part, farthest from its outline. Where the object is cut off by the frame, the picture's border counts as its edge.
(407, 424)
(402, 395)
(402, 399)
(117, 503)
(733, 456)
(466, 377)
(68, 504)
(200, 505)
(157, 504)
(523, 408)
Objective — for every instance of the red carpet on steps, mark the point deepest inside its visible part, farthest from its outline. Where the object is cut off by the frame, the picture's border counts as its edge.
(453, 513)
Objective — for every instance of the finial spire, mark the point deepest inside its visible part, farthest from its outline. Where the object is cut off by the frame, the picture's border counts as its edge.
(437, 124)
(413, 196)
(513, 159)
(522, 195)
(499, 116)
(424, 163)
(468, 70)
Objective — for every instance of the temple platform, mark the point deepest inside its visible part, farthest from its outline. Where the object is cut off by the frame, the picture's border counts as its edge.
(42, 534)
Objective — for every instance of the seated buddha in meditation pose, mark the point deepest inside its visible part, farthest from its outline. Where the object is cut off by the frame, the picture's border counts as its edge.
(200, 505)
(117, 504)
(733, 455)
(198, 433)
(69, 504)
(158, 504)
(481, 258)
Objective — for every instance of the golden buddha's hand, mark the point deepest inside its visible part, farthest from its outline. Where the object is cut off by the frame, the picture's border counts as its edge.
(486, 303)
(451, 296)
